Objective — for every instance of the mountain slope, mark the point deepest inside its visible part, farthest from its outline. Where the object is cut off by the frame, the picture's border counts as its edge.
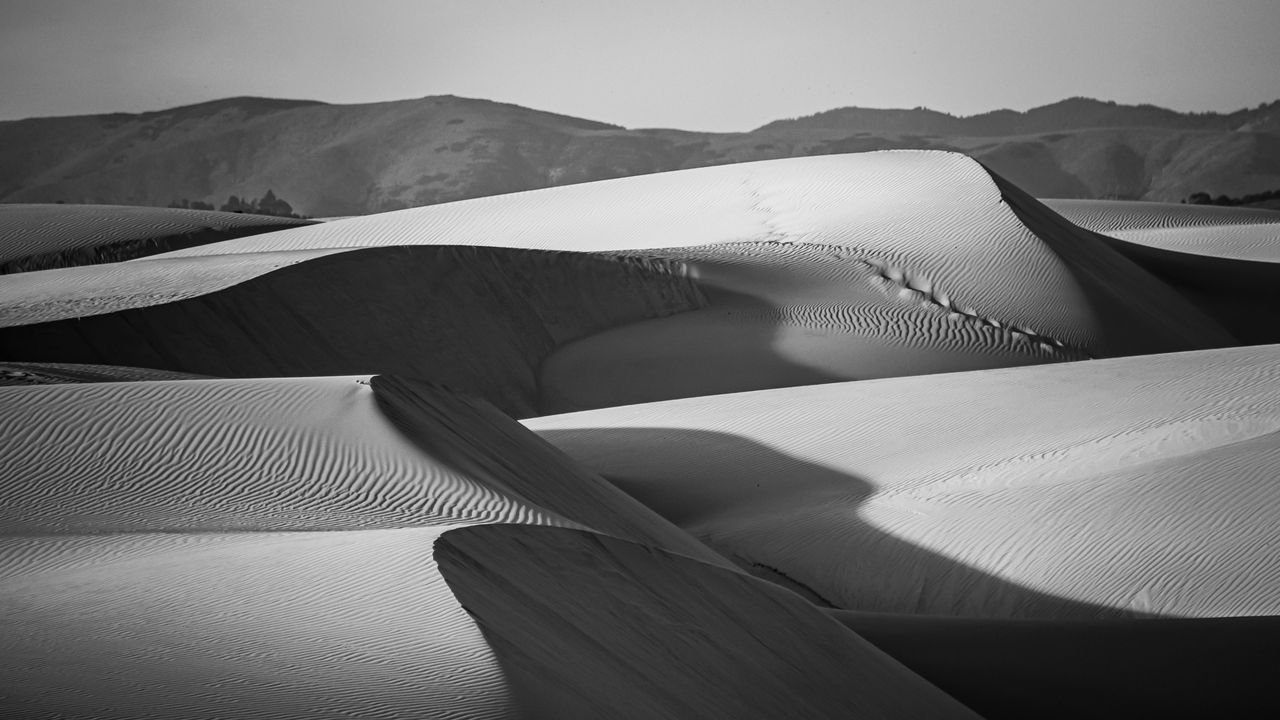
(354, 159)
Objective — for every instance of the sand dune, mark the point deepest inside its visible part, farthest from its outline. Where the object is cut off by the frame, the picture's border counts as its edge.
(1224, 259)
(789, 272)
(36, 237)
(477, 319)
(587, 626)
(1224, 232)
(1134, 486)
(323, 569)
(205, 579)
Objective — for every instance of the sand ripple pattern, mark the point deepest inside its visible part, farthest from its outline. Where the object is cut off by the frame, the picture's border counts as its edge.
(246, 625)
(234, 454)
(1225, 232)
(31, 230)
(1133, 486)
(233, 549)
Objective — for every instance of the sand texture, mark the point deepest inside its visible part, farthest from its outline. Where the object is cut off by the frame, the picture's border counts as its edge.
(705, 281)
(1126, 487)
(38, 237)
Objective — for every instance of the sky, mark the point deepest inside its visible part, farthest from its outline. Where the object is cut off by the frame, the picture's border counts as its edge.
(715, 65)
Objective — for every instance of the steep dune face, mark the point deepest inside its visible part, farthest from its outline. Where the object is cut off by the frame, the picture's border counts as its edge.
(1226, 260)
(1128, 486)
(589, 626)
(39, 237)
(276, 559)
(798, 271)
(477, 319)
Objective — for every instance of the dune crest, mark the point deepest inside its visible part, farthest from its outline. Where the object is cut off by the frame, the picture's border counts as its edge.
(721, 279)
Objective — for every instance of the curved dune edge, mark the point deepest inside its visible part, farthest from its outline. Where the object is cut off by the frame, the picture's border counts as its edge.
(1206, 667)
(1225, 260)
(474, 439)
(795, 272)
(232, 549)
(1249, 234)
(1125, 487)
(477, 319)
(39, 237)
(275, 560)
(589, 626)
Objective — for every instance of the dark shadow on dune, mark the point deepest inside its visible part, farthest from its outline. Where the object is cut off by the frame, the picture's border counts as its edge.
(1242, 295)
(137, 248)
(589, 626)
(702, 351)
(480, 319)
(1163, 668)
(694, 462)
(1136, 312)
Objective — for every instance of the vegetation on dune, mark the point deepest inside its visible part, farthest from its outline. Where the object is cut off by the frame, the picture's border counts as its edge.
(268, 204)
(1204, 198)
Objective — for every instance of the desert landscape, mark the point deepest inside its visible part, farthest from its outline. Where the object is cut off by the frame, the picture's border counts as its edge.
(449, 407)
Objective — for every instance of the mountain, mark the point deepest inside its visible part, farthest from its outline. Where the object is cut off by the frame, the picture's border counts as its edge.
(354, 159)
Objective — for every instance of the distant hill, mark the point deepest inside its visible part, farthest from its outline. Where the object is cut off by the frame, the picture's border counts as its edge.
(352, 159)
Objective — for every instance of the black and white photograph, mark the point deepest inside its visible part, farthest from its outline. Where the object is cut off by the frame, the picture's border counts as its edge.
(594, 360)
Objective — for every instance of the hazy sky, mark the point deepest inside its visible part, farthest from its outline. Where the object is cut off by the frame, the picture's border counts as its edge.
(693, 64)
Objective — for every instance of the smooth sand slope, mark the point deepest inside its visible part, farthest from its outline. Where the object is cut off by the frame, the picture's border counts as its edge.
(38, 237)
(1136, 486)
(282, 558)
(1226, 260)
(751, 276)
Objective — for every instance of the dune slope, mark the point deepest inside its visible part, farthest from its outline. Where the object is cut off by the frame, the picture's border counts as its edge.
(713, 280)
(1225, 259)
(477, 319)
(1124, 487)
(589, 626)
(39, 237)
(276, 561)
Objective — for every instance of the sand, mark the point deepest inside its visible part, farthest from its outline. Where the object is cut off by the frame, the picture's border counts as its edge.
(1112, 488)
(36, 237)
(302, 574)
(743, 277)
(914, 445)
(1224, 259)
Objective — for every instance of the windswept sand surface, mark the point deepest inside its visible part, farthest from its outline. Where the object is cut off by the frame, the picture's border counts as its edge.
(1226, 260)
(1134, 486)
(1224, 232)
(38, 236)
(278, 476)
(783, 273)
(300, 575)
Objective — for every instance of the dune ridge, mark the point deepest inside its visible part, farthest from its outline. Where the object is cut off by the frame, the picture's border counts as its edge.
(1225, 260)
(777, 273)
(477, 319)
(613, 629)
